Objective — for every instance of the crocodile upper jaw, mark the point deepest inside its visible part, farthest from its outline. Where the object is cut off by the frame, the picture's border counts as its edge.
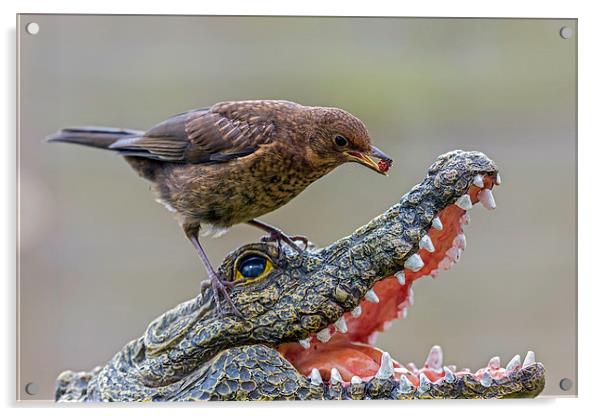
(345, 350)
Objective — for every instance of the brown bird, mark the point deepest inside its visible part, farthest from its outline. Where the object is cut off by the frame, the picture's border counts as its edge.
(235, 161)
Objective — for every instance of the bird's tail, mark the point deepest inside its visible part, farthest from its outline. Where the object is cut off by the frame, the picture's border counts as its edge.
(101, 137)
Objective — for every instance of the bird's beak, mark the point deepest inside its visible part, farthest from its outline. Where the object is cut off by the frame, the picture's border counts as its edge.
(365, 159)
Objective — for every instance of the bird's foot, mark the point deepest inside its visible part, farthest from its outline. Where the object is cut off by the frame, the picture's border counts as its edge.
(219, 288)
(277, 236)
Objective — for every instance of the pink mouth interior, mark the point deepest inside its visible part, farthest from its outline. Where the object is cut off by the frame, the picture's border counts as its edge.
(353, 352)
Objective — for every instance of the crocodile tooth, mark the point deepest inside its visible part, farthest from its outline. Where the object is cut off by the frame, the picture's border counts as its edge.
(460, 241)
(404, 385)
(435, 358)
(457, 252)
(315, 377)
(335, 376)
(400, 369)
(437, 224)
(370, 296)
(452, 368)
(450, 377)
(385, 371)
(453, 253)
(464, 202)
(486, 198)
(445, 263)
(357, 311)
(341, 325)
(494, 363)
(356, 380)
(478, 181)
(414, 263)
(427, 244)
(486, 379)
(404, 313)
(401, 277)
(425, 383)
(529, 359)
(513, 365)
(498, 179)
(460, 251)
(411, 296)
(412, 367)
(305, 343)
(387, 325)
(465, 219)
(323, 335)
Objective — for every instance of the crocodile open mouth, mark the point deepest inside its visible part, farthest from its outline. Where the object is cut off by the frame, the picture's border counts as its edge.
(345, 350)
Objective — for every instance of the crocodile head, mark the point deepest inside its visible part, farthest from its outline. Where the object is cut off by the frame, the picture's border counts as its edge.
(310, 321)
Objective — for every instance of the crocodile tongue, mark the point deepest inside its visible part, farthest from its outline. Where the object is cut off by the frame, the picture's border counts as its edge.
(350, 358)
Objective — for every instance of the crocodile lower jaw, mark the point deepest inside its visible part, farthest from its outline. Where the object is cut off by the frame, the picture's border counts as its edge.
(345, 351)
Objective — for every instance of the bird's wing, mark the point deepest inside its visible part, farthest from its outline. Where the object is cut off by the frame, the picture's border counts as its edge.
(223, 132)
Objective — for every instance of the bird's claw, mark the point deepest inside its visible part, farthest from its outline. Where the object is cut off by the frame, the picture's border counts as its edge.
(219, 287)
(279, 237)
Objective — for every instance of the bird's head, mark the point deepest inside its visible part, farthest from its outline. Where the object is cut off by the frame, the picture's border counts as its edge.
(338, 137)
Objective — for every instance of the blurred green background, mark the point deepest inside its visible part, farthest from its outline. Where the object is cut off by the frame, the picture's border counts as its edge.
(100, 259)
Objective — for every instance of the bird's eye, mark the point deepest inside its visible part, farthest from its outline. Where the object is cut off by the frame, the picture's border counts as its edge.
(340, 140)
(252, 267)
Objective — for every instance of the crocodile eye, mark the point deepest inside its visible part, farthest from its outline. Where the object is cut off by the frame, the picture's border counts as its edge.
(252, 267)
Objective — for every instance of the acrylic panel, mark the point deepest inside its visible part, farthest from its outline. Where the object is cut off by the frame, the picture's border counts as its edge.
(100, 260)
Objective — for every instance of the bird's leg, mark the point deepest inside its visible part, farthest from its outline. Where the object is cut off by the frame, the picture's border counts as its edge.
(217, 283)
(278, 235)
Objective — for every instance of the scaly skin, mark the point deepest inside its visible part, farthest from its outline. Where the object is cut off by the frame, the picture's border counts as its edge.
(190, 353)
